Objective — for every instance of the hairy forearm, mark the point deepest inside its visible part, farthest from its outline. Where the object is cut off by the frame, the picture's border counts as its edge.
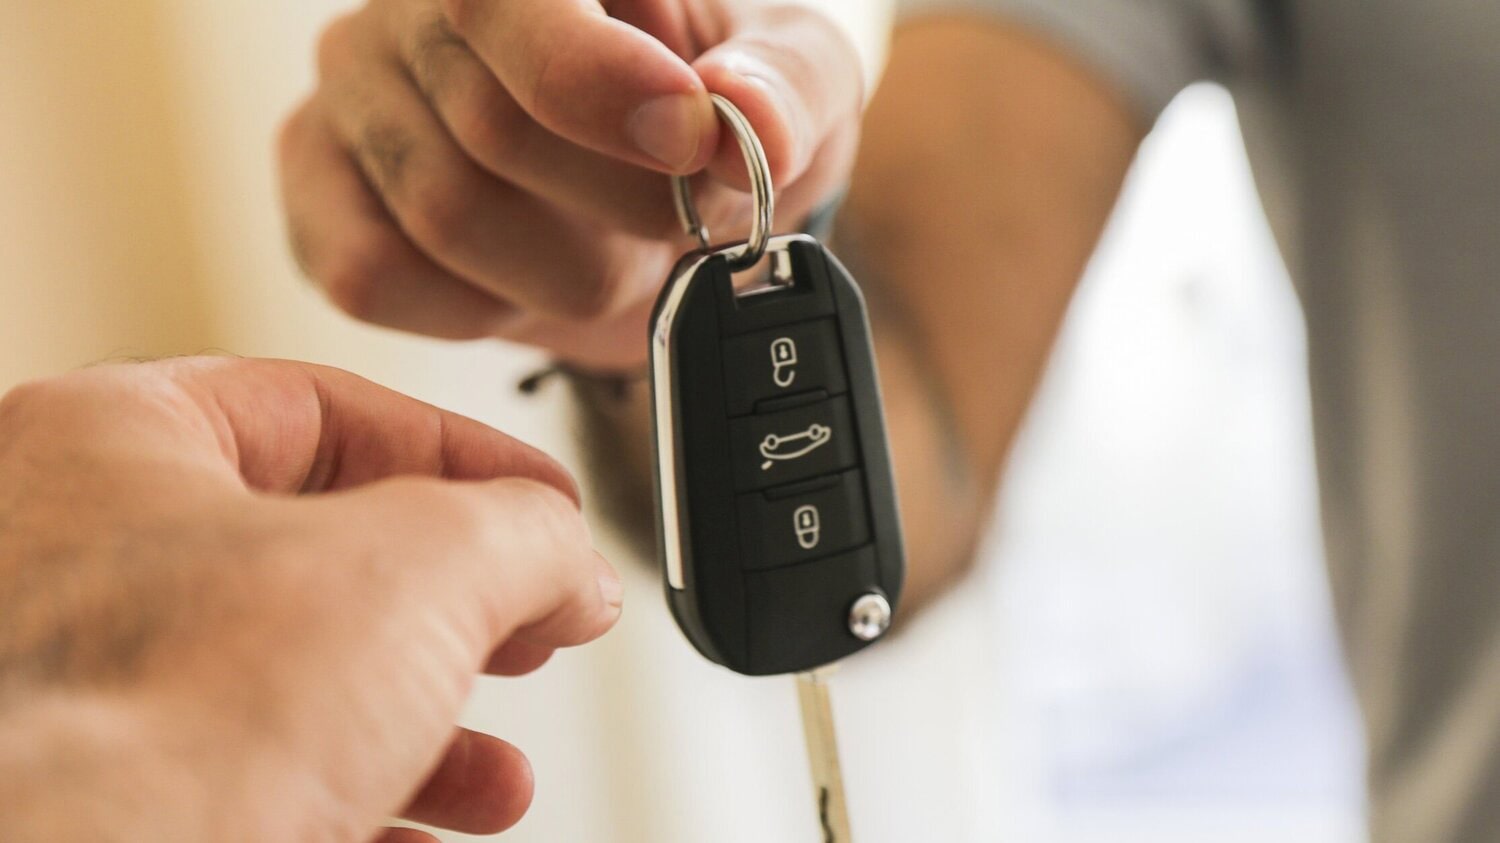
(988, 168)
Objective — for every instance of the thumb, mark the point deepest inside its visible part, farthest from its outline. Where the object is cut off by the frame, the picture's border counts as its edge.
(795, 75)
(592, 79)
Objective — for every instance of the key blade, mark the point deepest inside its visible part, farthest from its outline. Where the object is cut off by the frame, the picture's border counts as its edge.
(823, 754)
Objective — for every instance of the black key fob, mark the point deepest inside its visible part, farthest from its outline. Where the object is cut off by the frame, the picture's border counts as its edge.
(779, 529)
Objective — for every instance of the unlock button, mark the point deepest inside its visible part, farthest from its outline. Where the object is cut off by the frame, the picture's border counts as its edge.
(783, 362)
(779, 362)
(811, 520)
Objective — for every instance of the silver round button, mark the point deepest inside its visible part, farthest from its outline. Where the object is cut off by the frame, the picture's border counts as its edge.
(870, 617)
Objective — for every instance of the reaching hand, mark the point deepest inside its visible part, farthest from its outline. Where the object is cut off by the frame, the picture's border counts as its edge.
(247, 599)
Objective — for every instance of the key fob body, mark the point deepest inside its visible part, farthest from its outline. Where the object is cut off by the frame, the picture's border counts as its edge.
(778, 524)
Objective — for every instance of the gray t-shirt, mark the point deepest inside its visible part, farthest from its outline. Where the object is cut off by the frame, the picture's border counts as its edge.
(1374, 131)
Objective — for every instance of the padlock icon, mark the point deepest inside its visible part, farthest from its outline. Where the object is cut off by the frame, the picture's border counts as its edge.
(808, 525)
(784, 362)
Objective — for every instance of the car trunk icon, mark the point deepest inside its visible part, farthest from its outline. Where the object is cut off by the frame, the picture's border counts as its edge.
(782, 448)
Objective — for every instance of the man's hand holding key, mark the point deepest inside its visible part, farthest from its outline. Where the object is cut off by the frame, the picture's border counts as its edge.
(472, 168)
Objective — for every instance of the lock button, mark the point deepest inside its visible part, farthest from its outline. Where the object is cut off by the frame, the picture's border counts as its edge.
(820, 517)
(782, 361)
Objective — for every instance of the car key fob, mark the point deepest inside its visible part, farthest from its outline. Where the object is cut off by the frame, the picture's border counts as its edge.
(778, 525)
(779, 529)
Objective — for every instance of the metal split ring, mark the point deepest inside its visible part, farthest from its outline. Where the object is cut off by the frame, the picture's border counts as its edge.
(749, 254)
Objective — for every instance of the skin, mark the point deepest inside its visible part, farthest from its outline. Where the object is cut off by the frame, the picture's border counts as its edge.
(989, 165)
(475, 168)
(245, 600)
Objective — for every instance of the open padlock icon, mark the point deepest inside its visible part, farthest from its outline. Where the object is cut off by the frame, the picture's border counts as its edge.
(784, 362)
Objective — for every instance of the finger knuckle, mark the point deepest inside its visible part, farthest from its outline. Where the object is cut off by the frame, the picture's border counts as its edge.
(462, 13)
(433, 46)
(54, 394)
(292, 129)
(465, 519)
(470, 517)
(384, 151)
(300, 243)
(591, 297)
(350, 274)
(548, 504)
(24, 399)
(828, 43)
(488, 123)
(440, 208)
(547, 93)
(546, 510)
(335, 44)
(273, 565)
(596, 288)
(73, 400)
(836, 48)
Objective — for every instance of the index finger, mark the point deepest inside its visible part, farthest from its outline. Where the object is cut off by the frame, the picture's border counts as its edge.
(594, 80)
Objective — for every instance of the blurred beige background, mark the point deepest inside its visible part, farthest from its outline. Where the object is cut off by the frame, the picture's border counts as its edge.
(97, 256)
(136, 186)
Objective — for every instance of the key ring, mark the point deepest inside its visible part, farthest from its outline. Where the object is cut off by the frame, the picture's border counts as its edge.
(749, 254)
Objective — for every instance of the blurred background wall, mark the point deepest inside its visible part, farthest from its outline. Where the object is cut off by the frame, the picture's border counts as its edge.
(98, 254)
(1145, 654)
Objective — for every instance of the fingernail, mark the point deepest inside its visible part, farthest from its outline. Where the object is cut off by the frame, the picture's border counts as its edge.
(611, 588)
(668, 129)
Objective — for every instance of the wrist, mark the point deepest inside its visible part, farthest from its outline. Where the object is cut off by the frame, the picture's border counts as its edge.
(611, 385)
